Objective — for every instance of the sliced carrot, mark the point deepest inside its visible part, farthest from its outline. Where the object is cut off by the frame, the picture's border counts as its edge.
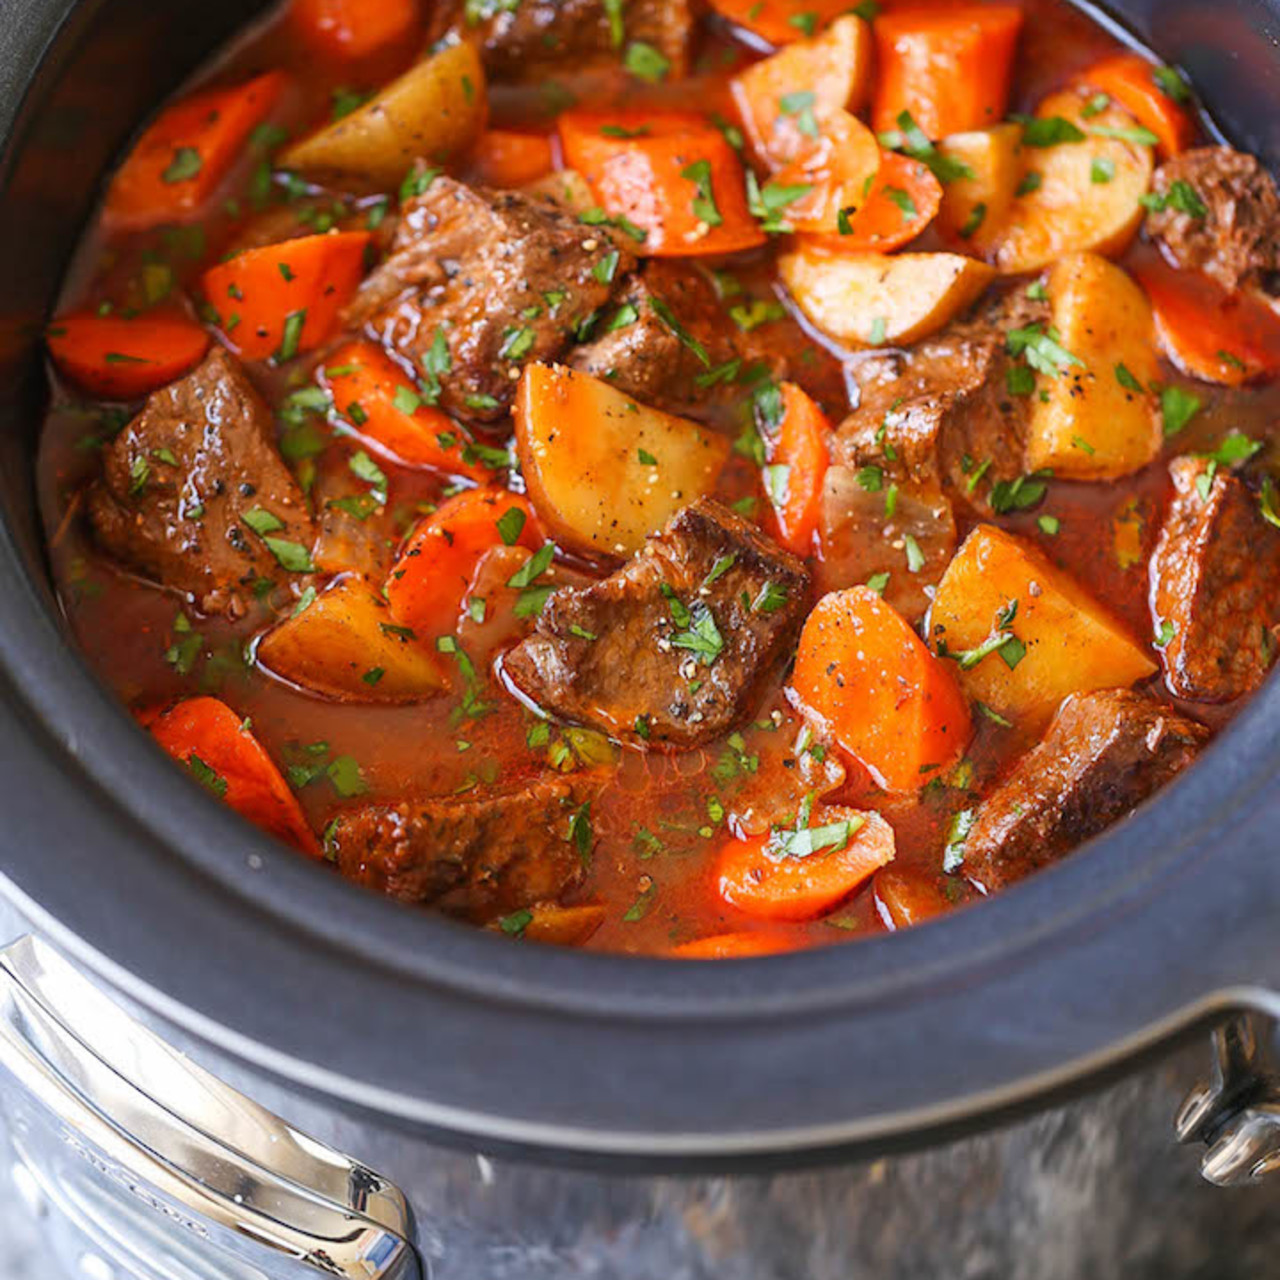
(905, 897)
(733, 946)
(884, 697)
(377, 398)
(217, 747)
(949, 67)
(772, 876)
(1130, 80)
(671, 176)
(903, 200)
(1227, 338)
(124, 359)
(186, 152)
(831, 180)
(781, 21)
(353, 29)
(429, 583)
(502, 158)
(798, 465)
(284, 298)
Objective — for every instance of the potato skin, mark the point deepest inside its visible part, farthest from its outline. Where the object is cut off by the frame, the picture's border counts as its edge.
(436, 110)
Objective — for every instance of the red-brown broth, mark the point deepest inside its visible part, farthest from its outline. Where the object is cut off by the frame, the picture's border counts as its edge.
(125, 626)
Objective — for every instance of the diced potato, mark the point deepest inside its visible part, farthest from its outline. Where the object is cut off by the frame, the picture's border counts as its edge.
(830, 72)
(1072, 643)
(604, 471)
(436, 110)
(557, 926)
(870, 299)
(1087, 197)
(972, 206)
(1098, 419)
(567, 188)
(345, 645)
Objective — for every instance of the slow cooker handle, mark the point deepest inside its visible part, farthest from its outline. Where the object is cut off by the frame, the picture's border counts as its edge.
(160, 1168)
(1236, 1112)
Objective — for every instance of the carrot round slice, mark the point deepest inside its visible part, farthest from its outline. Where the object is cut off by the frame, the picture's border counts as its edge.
(1227, 338)
(798, 465)
(217, 747)
(124, 359)
(671, 178)
(506, 159)
(761, 877)
(186, 152)
(1130, 81)
(904, 199)
(734, 946)
(353, 29)
(283, 299)
(886, 699)
(831, 180)
(431, 579)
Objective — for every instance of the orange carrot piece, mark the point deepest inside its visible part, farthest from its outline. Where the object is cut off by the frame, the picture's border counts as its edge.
(734, 946)
(124, 359)
(950, 67)
(760, 877)
(884, 697)
(781, 21)
(836, 174)
(376, 397)
(800, 455)
(216, 746)
(905, 897)
(186, 152)
(672, 176)
(903, 200)
(430, 581)
(283, 299)
(1209, 333)
(353, 29)
(505, 159)
(1130, 80)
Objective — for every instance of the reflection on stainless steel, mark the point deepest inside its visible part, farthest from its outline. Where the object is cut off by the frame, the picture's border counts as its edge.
(167, 1171)
(1237, 1113)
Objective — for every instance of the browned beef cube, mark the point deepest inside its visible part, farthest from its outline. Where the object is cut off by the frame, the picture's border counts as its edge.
(527, 40)
(477, 855)
(672, 649)
(1215, 585)
(670, 343)
(194, 494)
(1102, 756)
(1221, 215)
(505, 279)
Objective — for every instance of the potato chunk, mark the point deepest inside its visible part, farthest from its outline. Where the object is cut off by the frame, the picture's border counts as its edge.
(434, 111)
(972, 206)
(1057, 638)
(869, 299)
(603, 470)
(1098, 419)
(345, 645)
(1076, 195)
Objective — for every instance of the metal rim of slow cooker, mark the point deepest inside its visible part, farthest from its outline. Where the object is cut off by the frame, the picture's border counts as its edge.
(893, 1040)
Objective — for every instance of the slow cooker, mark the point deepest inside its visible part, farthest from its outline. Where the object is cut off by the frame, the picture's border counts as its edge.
(220, 1061)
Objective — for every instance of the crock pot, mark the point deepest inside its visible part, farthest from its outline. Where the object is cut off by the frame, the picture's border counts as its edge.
(536, 1112)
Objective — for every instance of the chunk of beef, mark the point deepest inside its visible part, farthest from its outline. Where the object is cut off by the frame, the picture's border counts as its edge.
(475, 855)
(1215, 585)
(179, 480)
(506, 278)
(672, 649)
(525, 41)
(656, 357)
(1230, 226)
(934, 425)
(1103, 755)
